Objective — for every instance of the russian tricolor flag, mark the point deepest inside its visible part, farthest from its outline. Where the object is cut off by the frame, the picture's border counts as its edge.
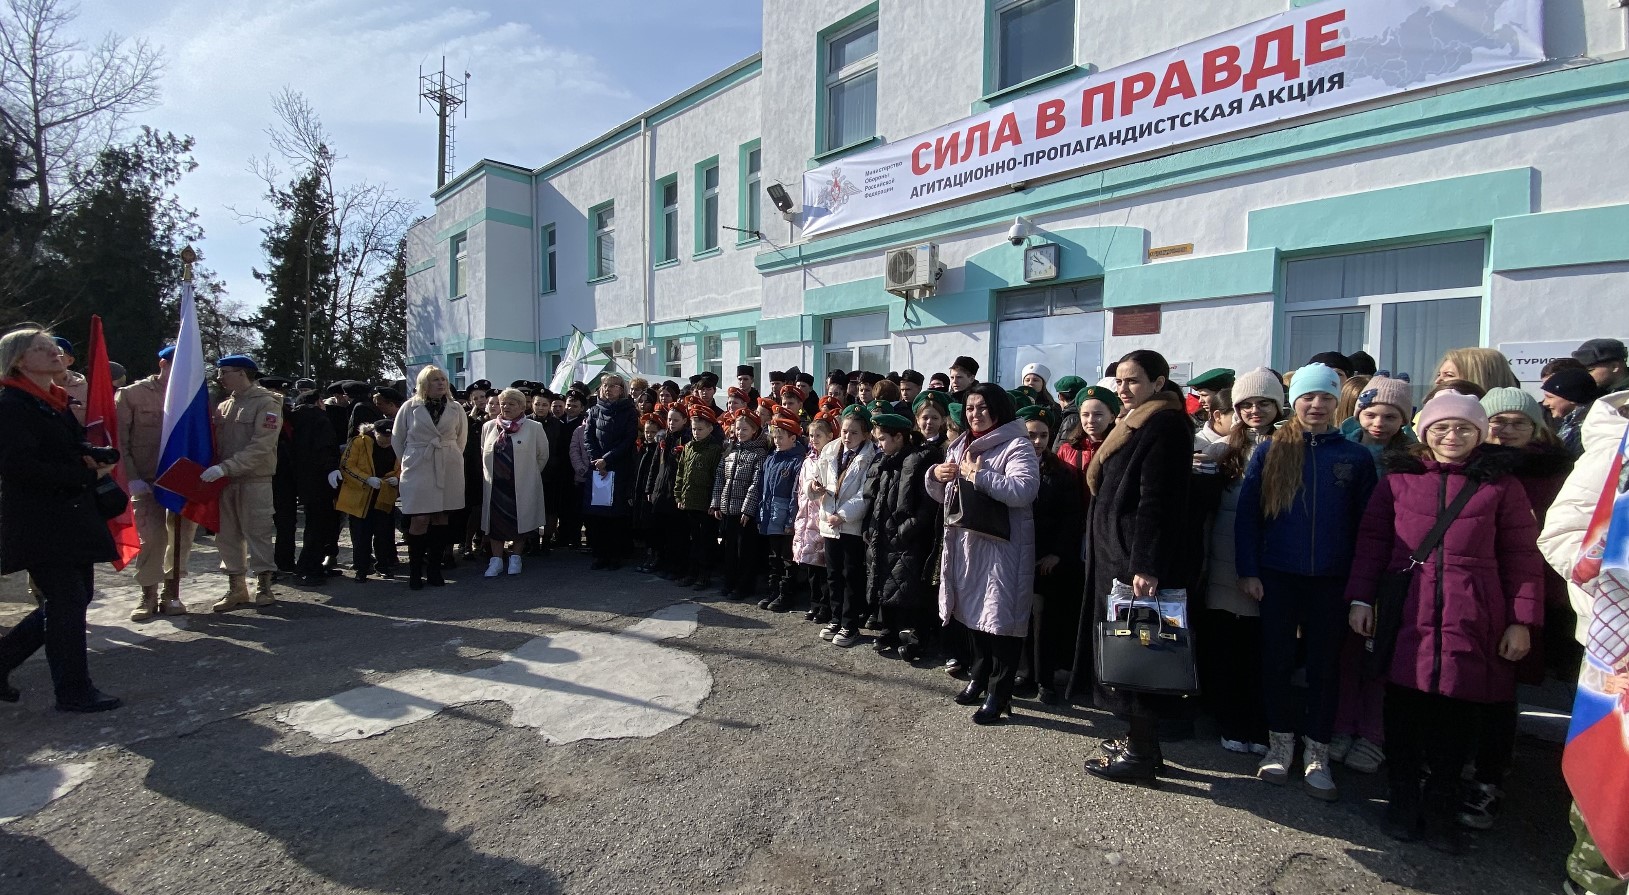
(188, 432)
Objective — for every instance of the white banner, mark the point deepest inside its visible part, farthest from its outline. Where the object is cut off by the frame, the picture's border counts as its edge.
(581, 361)
(1306, 60)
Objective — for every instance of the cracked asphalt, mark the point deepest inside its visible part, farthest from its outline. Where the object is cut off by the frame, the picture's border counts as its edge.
(808, 769)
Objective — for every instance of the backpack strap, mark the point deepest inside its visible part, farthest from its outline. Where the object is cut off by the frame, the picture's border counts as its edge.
(1444, 519)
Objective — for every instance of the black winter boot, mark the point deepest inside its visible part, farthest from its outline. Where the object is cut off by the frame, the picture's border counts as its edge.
(415, 561)
(435, 541)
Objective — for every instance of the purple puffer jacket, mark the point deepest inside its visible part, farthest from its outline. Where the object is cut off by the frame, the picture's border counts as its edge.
(808, 547)
(1486, 575)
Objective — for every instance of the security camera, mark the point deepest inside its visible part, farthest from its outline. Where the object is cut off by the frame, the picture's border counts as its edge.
(1019, 231)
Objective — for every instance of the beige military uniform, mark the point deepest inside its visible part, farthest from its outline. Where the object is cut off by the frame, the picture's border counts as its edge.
(141, 429)
(247, 426)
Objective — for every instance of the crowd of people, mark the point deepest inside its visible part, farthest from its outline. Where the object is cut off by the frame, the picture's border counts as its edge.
(944, 521)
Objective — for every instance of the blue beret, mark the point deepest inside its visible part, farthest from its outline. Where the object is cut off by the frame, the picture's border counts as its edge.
(166, 353)
(237, 360)
(66, 346)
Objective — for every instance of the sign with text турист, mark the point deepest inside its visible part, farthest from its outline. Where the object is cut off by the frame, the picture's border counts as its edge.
(1306, 60)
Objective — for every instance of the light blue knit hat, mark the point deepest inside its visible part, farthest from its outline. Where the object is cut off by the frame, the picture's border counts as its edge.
(1315, 378)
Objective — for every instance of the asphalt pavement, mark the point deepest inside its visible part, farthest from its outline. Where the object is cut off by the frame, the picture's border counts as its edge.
(606, 732)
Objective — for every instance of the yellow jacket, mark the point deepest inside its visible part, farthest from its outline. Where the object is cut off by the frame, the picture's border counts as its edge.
(355, 468)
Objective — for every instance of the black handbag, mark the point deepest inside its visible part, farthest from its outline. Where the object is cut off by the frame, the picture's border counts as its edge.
(972, 509)
(1141, 653)
(110, 498)
(1392, 592)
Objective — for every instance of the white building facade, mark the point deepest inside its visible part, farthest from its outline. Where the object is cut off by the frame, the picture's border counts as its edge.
(1483, 210)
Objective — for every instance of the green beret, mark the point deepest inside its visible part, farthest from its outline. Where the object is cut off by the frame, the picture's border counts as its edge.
(1023, 396)
(1099, 393)
(956, 417)
(1039, 414)
(859, 412)
(934, 396)
(876, 408)
(892, 421)
(1216, 379)
(1068, 385)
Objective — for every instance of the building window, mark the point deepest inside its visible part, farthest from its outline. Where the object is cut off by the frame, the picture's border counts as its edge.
(752, 199)
(667, 225)
(553, 361)
(860, 342)
(1405, 306)
(550, 271)
(1061, 326)
(460, 265)
(604, 245)
(850, 87)
(673, 358)
(460, 372)
(1032, 38)
(712, 354)
(707, 205)
(751, 355)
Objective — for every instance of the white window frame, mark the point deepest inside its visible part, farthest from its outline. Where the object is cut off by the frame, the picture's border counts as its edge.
(604, 234)
(886, 341)
(709, 222)
(754, 197)
(833, 80)
(460, 265)
(673, 358)
(711, 350)
(670, 221)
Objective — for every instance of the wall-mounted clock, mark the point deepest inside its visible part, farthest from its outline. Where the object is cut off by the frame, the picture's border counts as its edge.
(1041, 262)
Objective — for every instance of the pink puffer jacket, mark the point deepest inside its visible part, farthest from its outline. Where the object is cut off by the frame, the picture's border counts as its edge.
(807, 546)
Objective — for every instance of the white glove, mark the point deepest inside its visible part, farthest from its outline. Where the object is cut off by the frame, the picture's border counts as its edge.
(137, 486)
(373, 481)
(333, 479)
(392, 481)
(213, 473)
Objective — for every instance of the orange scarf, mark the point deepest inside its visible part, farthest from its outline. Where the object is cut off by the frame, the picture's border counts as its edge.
(55, 397)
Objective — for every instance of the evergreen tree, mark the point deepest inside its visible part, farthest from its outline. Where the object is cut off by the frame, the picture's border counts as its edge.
(299, 228)
(382, 355)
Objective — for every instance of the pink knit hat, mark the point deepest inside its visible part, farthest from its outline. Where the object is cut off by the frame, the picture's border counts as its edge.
(1453, 406)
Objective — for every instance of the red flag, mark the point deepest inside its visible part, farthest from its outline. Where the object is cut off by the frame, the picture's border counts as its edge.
(102, 428)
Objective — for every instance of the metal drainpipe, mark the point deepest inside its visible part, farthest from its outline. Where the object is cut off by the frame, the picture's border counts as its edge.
(537, 286)
(644, 225)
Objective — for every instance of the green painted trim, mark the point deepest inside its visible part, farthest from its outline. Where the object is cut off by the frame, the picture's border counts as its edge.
(594, 244)
(743, 202)
(713, 252)
(664, 265)
(698, 194)
(830, 155)
(422, 266)
(485, 215)
(1451, 205)
(549, 284)
(658, 224)
(783, 330)
(1561, 238)
(843, 299)
(421, 359)
(711, 324)
(1033, 85)
(1520, 100)
(606, 279)
(868, 11)
(991, 91)
(744, 70)
(509, 346)
(606, 336)
(484, 167)
(1193, 279)
(555, 344)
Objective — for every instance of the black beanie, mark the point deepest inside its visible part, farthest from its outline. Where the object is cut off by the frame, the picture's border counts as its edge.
(1573, 384)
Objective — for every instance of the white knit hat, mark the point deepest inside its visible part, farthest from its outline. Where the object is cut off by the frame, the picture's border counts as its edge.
(1040, 370)
(1258, 383)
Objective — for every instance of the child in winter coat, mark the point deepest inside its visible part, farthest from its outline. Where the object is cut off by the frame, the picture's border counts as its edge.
(1468, 615)
(778, 507)
(671, 533)
(807, 546)
(646, 466)
(844, 465)
(1381, 422)
(899, 538)
(693, 491)
(1297, 517)
(737, 490)
(369, 473)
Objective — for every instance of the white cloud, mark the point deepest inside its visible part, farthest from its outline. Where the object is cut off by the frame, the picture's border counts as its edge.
(357, 62)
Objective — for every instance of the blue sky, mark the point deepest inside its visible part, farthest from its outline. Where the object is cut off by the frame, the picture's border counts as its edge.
(545, 77)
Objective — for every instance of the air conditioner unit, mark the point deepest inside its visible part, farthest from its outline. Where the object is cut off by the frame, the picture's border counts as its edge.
(913, 270)
(624, 347)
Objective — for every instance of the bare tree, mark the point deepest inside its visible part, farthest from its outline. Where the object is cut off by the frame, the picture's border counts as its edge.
(61, 101)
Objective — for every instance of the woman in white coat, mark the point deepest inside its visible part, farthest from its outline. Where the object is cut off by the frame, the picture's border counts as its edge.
(988, 583)
(840, 488)
(430, 433)
(514, 450)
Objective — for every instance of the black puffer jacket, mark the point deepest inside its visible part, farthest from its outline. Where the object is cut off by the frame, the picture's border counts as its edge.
(740, 481)
(47, 514)
(899, 529)
(613, 428)
(669, 450)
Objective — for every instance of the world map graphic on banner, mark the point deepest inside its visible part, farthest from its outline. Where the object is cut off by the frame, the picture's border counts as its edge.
(1312, 59)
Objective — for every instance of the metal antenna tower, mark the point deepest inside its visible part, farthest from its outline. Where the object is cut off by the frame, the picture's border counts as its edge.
(445, 95)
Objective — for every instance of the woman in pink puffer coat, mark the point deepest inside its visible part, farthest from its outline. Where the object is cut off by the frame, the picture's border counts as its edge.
(808, 549)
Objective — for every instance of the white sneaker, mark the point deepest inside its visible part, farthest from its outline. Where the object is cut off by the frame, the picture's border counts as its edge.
(1275, 766)
(514, 564)
(494, 567)
(1318, 782)
(1239, 746)
(1340, 745)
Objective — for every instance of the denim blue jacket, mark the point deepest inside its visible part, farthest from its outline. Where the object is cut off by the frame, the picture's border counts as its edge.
(1316, 534)
(779, 503)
